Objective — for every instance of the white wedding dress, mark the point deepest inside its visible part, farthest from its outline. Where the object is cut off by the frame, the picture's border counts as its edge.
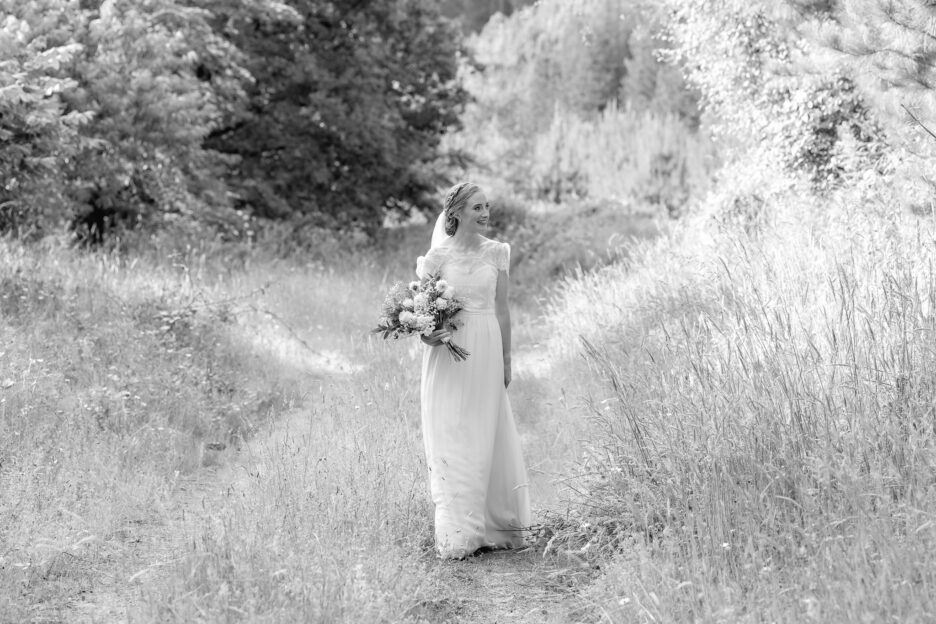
(476, 471)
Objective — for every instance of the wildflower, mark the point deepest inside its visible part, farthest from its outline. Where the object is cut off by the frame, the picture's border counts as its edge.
(442, 303)
(407, 317)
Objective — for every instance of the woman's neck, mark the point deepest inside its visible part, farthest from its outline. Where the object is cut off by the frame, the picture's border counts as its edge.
(465, 240)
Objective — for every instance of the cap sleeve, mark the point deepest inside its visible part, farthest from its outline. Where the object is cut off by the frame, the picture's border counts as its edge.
(429, 264)
(502, 257)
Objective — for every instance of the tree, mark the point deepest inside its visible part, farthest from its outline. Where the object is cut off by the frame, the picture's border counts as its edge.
(343, 119)
(474, 14)
(105, 101)
(143, 76)
(891, 42)
(211, 112)
(37, 131)
(746, 59)
(561, 65)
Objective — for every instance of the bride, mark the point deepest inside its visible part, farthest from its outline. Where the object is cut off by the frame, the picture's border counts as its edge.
(477, 475)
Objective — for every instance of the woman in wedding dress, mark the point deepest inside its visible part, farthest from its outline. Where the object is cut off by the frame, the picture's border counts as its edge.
(476, 471)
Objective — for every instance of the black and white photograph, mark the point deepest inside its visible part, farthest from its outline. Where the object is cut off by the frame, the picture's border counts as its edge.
(467, 311)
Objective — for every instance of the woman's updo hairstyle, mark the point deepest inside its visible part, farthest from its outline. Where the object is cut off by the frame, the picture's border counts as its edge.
(455, 201)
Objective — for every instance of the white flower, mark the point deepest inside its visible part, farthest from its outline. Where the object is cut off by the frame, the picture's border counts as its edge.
(413, 285)
(449, 292)
(407, 304)
(407, 317)
(441, 303)
(424, 324)
(441, 285)
(421, 301)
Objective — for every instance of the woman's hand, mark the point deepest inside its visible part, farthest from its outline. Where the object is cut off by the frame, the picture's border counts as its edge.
(507, 375)
(436, 338)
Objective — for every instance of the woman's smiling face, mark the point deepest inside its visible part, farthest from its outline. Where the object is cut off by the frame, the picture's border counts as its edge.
(477, 213)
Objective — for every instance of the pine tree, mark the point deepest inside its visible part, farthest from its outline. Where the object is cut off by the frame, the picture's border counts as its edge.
(747, 60)
(144, 76)
(37, 131)
(890, 45)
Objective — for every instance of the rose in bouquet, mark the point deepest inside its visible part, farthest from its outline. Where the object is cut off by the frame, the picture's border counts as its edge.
(421, 307)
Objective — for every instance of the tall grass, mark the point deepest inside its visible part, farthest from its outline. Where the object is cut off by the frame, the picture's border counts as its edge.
(123, 377)
(762, 405)
(114, 374)
(335, 524)
(118, 376)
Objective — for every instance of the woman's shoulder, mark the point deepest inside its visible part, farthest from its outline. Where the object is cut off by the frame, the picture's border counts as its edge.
(497, 252)
(490, 243)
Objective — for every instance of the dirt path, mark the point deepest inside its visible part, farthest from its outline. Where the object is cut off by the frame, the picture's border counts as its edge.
(506, 587)
(503, 587)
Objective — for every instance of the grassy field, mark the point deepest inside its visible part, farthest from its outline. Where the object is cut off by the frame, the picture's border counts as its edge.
(724, 423)
(129, 382)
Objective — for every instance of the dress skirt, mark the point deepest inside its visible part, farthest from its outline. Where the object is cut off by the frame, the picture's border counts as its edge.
(476, 471)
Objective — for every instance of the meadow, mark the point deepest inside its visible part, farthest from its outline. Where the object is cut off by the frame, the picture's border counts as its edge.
(723, 420)
(133, 383)
(762, 409)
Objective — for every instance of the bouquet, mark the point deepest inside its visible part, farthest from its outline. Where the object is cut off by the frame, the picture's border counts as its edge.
(421, 308)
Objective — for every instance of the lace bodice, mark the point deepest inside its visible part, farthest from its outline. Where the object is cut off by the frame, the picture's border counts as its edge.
(474, 274)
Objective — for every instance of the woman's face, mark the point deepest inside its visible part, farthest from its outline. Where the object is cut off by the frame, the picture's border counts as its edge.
(476, 214)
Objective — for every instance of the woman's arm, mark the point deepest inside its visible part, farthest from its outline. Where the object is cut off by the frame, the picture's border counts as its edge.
(502, 310)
